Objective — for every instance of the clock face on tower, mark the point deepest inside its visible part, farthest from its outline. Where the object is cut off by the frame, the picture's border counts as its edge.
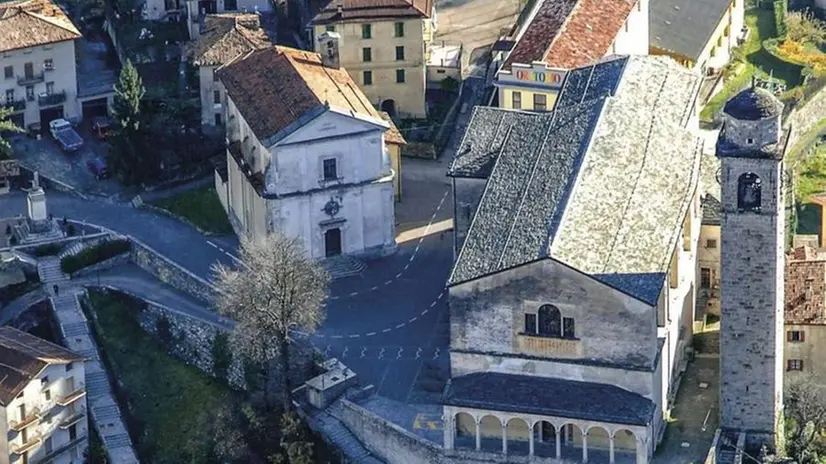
(332, 207)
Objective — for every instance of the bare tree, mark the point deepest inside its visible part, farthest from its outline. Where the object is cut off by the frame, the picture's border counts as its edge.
(276, 292)
(805, 414)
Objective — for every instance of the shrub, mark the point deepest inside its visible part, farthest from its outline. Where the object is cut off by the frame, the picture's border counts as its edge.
(70, 230)
(221, 355)
(780, 10)
(94, 255)
(803, 26)
(49, 249)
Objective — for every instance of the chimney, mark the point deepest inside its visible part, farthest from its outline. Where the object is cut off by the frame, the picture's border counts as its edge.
(329, 43)
(339, 8)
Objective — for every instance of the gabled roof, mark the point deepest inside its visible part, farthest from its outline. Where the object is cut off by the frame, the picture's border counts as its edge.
(570, 33)
(684, 27)
(30, 23)
(338, 11)
(529, 394)
(602, 185)
(225, 37)
(393, 134)
(23, 357)
(278, 89)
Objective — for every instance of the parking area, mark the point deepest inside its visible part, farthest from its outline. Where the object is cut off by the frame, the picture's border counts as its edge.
(72, 169)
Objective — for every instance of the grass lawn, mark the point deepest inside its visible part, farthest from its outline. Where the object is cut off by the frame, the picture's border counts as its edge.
(758, 61)
(810, 179)
(166, 396)
(201, 207)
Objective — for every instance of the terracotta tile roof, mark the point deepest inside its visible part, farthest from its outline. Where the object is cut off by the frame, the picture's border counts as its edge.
(569, 33)
(361, 10)
(23, 357)
(225, 37)
(806, 286)
(275, 87)
(392, 135)
(30, 23)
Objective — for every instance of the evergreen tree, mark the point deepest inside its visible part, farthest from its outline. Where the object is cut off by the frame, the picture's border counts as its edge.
(131, 155)
(6, 126)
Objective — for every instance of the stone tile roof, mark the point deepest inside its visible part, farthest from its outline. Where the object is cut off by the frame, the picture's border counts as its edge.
(712, 211)
(805, 287)
(30, 23)
(488, 127)
(549, 396)
(393, 134)
(225, 37)
(279, 88)
(602, 186)
(338, 11)
(571, 33)
(23, 357)
(684, 27)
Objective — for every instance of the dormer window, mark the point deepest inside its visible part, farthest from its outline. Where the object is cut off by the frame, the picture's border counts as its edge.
(548, 322)
(749, 194)
(750, 141)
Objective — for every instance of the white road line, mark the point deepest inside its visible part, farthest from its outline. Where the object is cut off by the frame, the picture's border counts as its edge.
(374, 288)
(400, 325)
(398, 275)
(334, 297)
(388, 282)
(412, 319)
(406, 266)
(441, 295)
(433, 303)
(354, 293)
(337, 336)
(355, 336)
(386, 330)
(370, 334)
(425, 312)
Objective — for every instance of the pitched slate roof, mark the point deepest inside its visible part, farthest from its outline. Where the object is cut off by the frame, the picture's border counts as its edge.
(602, 186)
(225, 37)
(549, 396)
(279, 88)
(684, 27)
(570, 33)
(488, 127)
(23, 357)
(338, 11)
(806, 286)
(30, 23)
(712, 211)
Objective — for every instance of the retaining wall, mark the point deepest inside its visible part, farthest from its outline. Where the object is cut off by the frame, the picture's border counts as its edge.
(118, 260)
(169, 272)
(805, 118)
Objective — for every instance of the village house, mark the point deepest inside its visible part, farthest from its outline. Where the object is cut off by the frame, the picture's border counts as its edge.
(220, 39)
(43, 395)
(699, 34)
(562, 35)
(384, 47)
(307, 154)
(805, 322)
(37, 47)
(572, 295)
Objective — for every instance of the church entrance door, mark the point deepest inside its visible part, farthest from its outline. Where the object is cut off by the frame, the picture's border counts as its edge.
(332, 242)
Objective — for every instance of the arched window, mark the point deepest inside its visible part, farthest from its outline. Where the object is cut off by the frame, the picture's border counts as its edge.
(550, 321)
(748, 192)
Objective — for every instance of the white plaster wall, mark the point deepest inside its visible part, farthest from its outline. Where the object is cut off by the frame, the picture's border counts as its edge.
(208, 86)
(64, 77)
(33, 397)
(632, 39)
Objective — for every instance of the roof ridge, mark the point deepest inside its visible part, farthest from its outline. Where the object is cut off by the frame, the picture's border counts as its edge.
(43, 356)
(561, 29)
(50, 20)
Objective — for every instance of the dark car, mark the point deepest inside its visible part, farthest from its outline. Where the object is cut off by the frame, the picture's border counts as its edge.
(98, 167)
(101, 126)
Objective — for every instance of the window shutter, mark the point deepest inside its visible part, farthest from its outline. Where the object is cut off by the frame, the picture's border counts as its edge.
(802, 336)
(788, 335)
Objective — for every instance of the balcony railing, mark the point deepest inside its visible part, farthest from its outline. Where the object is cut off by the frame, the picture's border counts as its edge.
(63, 448)
(77, 394)
(16, 105)
(33, 416)
(30, 443)
(30, 79)
(48, 99)
(72, 419)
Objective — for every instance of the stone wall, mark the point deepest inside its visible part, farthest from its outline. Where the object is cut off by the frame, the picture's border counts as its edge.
(118, 260)
(169, 272)
(804, 118)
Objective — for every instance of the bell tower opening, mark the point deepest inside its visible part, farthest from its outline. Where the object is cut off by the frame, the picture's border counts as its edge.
(748, 192)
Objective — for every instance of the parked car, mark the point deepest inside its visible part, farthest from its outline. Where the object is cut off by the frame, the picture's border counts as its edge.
(101, 127)
(65, 135)
(98, 167)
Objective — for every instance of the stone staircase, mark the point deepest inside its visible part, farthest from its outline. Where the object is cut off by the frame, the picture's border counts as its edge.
(48, 269)
(28, 236)
(328, 423)
(80, 245)
(97, 385)
(342, 266)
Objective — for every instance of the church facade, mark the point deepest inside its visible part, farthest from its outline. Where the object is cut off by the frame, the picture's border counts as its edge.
(572, 294)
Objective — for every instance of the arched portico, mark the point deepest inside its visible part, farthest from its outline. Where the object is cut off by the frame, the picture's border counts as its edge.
(546, 436)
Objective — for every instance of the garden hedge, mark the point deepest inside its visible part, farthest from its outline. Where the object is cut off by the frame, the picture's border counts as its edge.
(93, 255)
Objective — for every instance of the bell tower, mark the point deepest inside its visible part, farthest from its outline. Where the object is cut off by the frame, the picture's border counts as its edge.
(751, 146)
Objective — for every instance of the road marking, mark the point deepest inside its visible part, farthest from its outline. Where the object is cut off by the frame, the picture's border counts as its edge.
(412, 319)
(355, 336)
(425, 312)
(400, 325)
(354, 293)
(433, 303)
(363, 351)
(334, 297)
(418, 353)
(388, 282)
(386, 330)
(344, 353)
(427, 422)
(399, 354)
(436, 354)
(398, 275)
(370, 334)
(440, 295)
(406, 266)
(374, 288)
(337, 336)
(381, 354)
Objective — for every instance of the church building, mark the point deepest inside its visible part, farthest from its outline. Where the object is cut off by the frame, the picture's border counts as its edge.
(572, 294)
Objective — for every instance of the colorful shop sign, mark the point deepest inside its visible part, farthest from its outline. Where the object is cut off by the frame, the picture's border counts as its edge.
(537, 75)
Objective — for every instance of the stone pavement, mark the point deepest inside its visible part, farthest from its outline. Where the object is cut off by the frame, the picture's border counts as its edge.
(77, 337)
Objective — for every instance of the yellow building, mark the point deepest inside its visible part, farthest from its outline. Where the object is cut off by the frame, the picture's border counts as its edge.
(383, 47)
(562, 35)
(394, 141)
(699, 34)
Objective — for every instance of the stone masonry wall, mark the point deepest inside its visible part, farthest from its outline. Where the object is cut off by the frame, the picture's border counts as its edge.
(804, 118)
(169, 272)
(118, 260)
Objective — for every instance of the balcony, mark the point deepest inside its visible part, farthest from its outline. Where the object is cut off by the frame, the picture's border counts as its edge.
(28, 445)
(63, 448)
(72, 419)
(49, 99)
(33, 416)
(30, 79)
(77, 394)
(16, 105)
